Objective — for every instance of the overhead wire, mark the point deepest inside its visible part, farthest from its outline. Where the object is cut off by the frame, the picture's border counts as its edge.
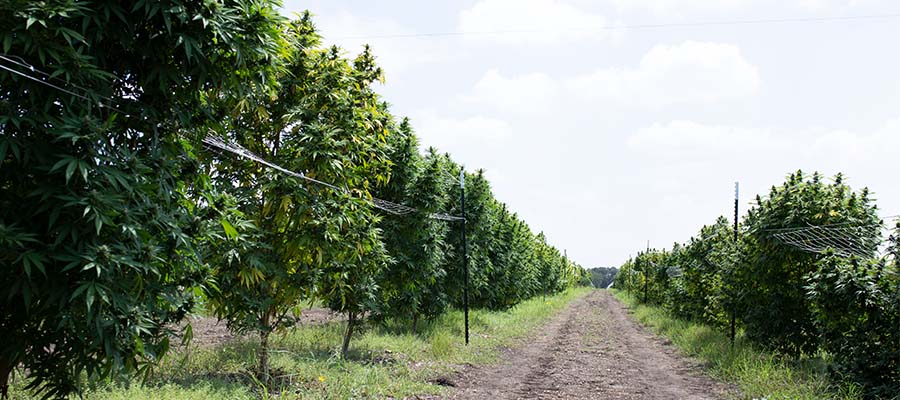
(623, 27)
(384, 205)
(23, 64)
(213, 141)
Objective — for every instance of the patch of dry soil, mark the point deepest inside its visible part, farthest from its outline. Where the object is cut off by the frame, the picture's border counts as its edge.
(208, 331)
(590, 350)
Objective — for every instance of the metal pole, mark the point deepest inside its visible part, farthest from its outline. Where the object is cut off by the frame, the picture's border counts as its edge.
(462, 196)
(644, 270)
(736, 187)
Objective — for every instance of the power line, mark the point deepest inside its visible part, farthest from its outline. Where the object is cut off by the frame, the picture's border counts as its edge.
(22, 63)
(626, 27)
(44, 82)
(38, 80)
(384, 205)
(214, 142)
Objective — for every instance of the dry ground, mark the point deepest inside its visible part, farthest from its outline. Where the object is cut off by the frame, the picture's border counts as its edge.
(590, 350)
(209, 332)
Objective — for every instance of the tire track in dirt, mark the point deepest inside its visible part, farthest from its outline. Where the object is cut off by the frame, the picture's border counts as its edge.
(591, 349)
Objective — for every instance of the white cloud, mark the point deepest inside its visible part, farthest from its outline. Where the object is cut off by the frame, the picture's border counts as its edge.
(527, 93)
(689, 139)
(473, 141)
(679, 7)
(395, 56)
(530, 22)
(690, 72)
(688, 167)
(839, 5)
(748, 151)
(448, 134)
(848, 149)
(687, 73)
(684, 8)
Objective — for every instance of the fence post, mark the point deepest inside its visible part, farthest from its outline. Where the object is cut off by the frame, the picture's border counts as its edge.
(732, 267)
(462, 195)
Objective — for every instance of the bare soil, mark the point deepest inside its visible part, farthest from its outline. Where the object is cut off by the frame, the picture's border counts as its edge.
(209, 331)
(590, 350)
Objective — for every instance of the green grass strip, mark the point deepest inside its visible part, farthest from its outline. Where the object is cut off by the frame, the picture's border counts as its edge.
(386, 361)
(758, 374)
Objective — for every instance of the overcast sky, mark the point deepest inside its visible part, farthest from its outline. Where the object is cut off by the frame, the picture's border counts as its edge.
(607, 138)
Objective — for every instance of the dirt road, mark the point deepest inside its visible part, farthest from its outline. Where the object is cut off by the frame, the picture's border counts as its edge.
(590, 350)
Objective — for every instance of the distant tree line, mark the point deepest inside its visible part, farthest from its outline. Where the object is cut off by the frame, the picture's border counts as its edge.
(601, 277)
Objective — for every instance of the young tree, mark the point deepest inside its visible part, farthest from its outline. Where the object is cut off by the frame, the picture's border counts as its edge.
(96, 228)
(354, 151)
(704, 263)
(525, 257)
(406, 163)
(413, 286)
(777, 312)
(313, 237)
(548, 265)
(501, 291)
(856, 305)
(479, 221)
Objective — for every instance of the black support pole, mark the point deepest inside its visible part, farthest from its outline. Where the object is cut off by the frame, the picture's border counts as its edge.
(735, 244)
(646, 279)
(646, 276)
(462, 197)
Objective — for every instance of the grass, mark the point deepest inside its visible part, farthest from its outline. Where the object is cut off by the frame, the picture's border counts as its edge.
(385, 361)
(758, 374)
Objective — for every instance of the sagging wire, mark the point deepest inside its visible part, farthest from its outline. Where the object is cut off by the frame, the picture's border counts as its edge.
(212, 141)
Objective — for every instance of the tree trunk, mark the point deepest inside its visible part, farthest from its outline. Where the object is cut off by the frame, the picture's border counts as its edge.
(5, 370)
(264, 357)
(415, 322)
(350, 321)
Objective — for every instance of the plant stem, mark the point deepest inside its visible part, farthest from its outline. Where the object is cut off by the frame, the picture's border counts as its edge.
(351, 316)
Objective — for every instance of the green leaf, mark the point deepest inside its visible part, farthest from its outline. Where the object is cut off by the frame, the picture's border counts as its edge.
(59, 164)
(79, 290)
(26, 264)
(187, 48)
(83, 167)
(98, 224)
(71, 265)
(53, 217)
(89, 296)
(71, 169)
(187, 335)
(36, 260)
(15, 149)
(230, 232)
